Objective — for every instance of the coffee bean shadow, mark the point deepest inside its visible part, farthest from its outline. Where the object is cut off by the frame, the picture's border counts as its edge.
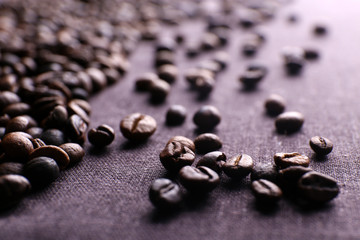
(155, 102)
(169, 175)
(269, 209)
(198, 131)
(234, 184)
(202, 98)
(196, 201)
(162, 215)
(318, 158)
(306, 207)
(6, 212)
(290, 134)
(249, 90)
(95, 151)
(128, 145)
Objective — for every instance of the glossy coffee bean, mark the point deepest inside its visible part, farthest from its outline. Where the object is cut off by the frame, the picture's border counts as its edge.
(198, 180)
(175, 156)
(289, 122)
(289, 177)
(75, 152)
(168, 73)
(20, 124)
(207, 142)
(37, 142)
(144, 82)
(17, 109)
(183, 141)
(76, 129)
(17, 146)
(11, 168)
(266, 191)
(238, 166)
(57, 118)
(35, 132)
(284, 160)
(317, 187)
(275, 104)
(204, 84)
(213, 160)
(165, 194)
(13, 188)
(207, 117)
(265, 171)
(176, 115)
(159, 90)
(53, 137)
(138, 127)
(102, 136)
(56, 153)
(321, 146)
(41, 171)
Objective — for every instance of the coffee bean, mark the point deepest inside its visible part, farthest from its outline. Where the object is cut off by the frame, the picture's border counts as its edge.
(20, 124)
(176, 115)
(102, 136)
(251, 77)
(193, 74)
(289, 177)
(75, 107)
(159, 90)
(41, 171)
(13, 188)
(17, 109)
(57, 118)
(284, 160)
(213, 160)
(294, 65)
(138, 127)
(7, 98)
(75, 152)
(275, 104)
(222, 58)
(320, 29)
(264, 171)
(164, 58)
(144, 82)
(165, 44)
(175, 156)
(207, 117)
(76, 129)
(321, 146)
(250, 48)
(98, 78)
(183, 141)
(165, 194)
(11, 168)
(198, 180)
(37, 142)
(204, 84)
(53, 137)
(4, 119)
(289, 122)
(17, 146)
(207, 142)
(168, 73)
(54, 152)
(311, 54)
(238, 166)
(210, 41)
(266, 191)
(318, 187)
(35, 132)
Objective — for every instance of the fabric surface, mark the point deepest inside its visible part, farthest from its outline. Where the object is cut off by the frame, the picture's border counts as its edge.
(106, 195)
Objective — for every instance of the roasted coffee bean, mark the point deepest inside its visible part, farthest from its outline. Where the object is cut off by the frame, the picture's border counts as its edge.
(183, 141)
(7, 98)
(79, 93)
(41, 171)
(53, 137)
(284, 160)
(168, 73)
(320, 29)
(265, 191)
(13, 188)
(138, 127)
(222, 58)
(294, 65)
(210, 65)
(164, 58)
(4, 119)
(250, 48)
(317, 187)
(292, 18)
(144, 82)
(165, 194)
(213, 160)
(192, 50)
(238, 166)
(17, 146)
(210, 41)
(54, 152)
(207, 142)
(75, 107)
(275, 104)
(17, 109)
(159, 90)
(311, 54)
(102, 136)
(2, 132)
(289, 177)
(20, 124)
(204, 84)
(98, 78)
(35, 132)
(37, 142)
(76, 129)
(289, 122)
(321, 146)
(207, 117)
(11, 168)
(251, 78)
(176, 115)
(165, 44)
(175, 155)
(193, 74)
(57, 118)
(198, 180)
(264, 171)
(75, 152)
(84, 105)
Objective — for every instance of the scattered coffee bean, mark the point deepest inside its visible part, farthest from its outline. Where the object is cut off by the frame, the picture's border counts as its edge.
(318, 187)
(54, 152)
(275, 104)
(207, 117)
(210, 41)
(75, 152)
(289, 122)
(265, 191)
(320, 30)
(198, 180)
(164, 58)
(289, 177)
(41, 171)
(213, 160)
(311, 54)
(159, 90)
(102, 136)
(207, 142)
(17, 146)
(222, 58)
(138, 127)
(13, 188)
(176, 115)
(204, 84)
(165, 194)
(176, 155)
(144, 82)
(238, 166)
(284, 160)
(251, 77)
(321, 146)
(168, 73)
(184, 141)
(53, 137)
(11, 168)
(264, 171)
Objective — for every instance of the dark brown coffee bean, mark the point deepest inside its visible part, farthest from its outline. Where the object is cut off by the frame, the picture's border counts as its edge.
(213, 160)
(318, 187)
(37, 142)
(222, 58)
(204, 84)
(266, 191)
(11, 168)
(168, 73)
(321, 146)
(4, 119)
(76, 129)
(193, 74)
(207, 117)
(79, 93)
(54, 152)
(275, 104)
(159, 90)
(17, 146)
(210, 41)
(57, 118)
(207, 142)
(74, 107)
(311, 54)
(144, 82)
(164, 58)
(84, 105)
(75, 152)
(175, 155)
(176, 115)
(198, 180)
(210, 65)
(41, 171)
(35, 132)
(320, 29)
(251, 78)
(289, 122)
(264, 171)
(13, 188)
(183, 141)
(17, 109)
(20, 124)
(102, 136)
(284, 160)
(98, 78)
(53, 137)
(238, 166)
(7, 98)
(165, 44)
(138, 127)
(165, 194)
(250, 48)
(289, 177)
